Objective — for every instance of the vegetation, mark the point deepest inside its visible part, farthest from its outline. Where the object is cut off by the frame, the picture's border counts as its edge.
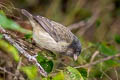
(95, 23)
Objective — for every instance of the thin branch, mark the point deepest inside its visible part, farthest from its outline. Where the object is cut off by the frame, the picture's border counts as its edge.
(90, 22)
(22, 51)
(94, 55)
(85, 25)
(116, 73)
(17, 70)
(98, 61)
(3, 69)
(92, 59)
(77, 25)
(106, 75)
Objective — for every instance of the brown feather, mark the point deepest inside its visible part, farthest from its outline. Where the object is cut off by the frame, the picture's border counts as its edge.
(55, 30)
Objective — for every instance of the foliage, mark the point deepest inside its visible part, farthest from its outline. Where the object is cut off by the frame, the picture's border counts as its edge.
(45, 63)
(5, 46)
(69, 73)
(10, 24)
(107, 50)
(103, 36)
(31, 71)
(73, 74)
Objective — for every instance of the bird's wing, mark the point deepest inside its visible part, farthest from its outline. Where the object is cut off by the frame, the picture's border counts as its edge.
(57, 31)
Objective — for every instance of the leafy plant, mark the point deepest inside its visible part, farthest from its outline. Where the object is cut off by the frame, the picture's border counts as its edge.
(5, 46)
(73, 74)
(31, 71)
(10, 24)
(108, 50)
(45, 63)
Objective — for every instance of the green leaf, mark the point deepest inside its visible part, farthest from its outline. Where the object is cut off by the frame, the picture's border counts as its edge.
(107, 50)
(10, 24)
(28, 36)
(110, 63)
(40, 58)
(45, 63)
(73, 74)
(30, 71)
(1, 36)
(117, 38)
(48, 78)
(5, 46)
(59, 76)
(44, 79)
(83, 72)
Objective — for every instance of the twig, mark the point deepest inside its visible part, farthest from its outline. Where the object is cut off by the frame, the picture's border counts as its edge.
(85, 25)
(89, 23)
(106, 75)
(17, 70)
(77, 25)
(98, 61)
(92, 58)
(3, 69)
(94, 55)
(22, 51)
(116, 73)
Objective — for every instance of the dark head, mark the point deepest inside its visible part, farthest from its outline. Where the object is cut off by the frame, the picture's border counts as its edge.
(74, 49)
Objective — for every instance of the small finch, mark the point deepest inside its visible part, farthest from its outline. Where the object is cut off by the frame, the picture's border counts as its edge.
(53, 36)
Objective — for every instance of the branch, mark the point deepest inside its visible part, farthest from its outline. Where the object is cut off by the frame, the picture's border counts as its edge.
(92, 59)
(90, 22)
(98, 61)
(22, 51)
(77, 25)
(17, 70)
(83, 25)
(3, 69)
(116, 73)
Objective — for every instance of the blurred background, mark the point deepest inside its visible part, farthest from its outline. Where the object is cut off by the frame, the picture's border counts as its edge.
(95, 22)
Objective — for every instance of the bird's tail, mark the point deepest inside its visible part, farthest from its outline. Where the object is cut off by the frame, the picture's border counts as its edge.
(27, 14)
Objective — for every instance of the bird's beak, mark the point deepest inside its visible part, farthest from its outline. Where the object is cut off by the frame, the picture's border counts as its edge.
(75, 57)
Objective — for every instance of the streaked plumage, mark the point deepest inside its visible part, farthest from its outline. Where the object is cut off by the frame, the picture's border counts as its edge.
(53, 36)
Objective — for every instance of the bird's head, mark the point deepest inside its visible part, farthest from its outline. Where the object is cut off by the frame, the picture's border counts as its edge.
(74, 49)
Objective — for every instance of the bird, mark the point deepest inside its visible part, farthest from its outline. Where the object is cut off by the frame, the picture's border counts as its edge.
(53, 36)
